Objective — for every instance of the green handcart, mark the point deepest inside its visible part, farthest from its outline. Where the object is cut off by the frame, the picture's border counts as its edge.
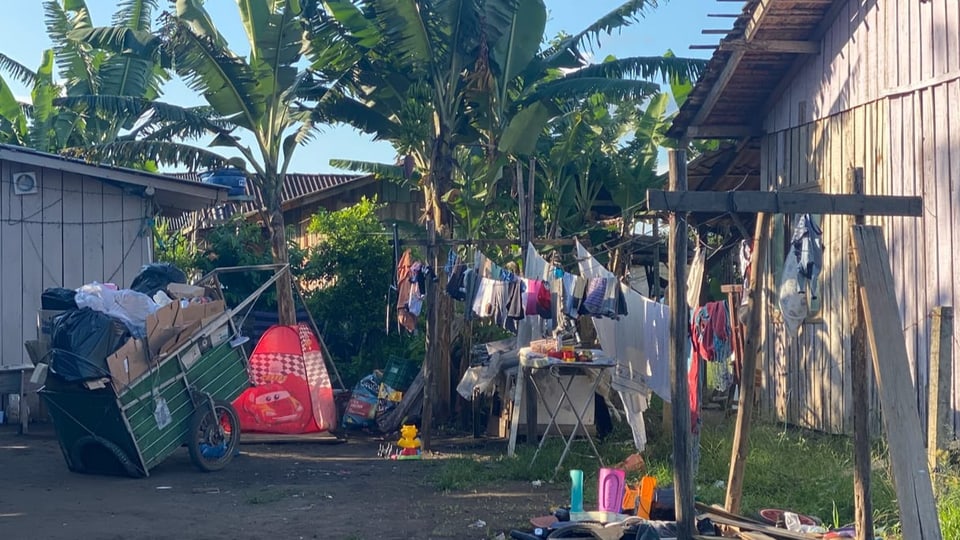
(185, 399)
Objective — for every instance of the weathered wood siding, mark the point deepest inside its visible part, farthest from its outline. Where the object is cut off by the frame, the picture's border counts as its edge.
(75, 230)
(882, 95)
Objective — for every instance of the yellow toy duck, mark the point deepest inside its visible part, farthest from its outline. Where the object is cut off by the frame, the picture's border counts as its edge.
(409, 442)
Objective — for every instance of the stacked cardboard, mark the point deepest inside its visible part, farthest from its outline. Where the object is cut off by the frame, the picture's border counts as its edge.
(168, 329)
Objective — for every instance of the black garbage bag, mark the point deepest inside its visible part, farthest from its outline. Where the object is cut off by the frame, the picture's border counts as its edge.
(81, 342)
(155, 277)
(58, 298)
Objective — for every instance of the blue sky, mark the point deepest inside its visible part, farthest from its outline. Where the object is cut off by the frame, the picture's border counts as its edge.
(675, 25)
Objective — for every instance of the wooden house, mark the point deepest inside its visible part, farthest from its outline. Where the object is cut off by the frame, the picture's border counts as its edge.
(303, 196)
(65, 223)
(824, 87)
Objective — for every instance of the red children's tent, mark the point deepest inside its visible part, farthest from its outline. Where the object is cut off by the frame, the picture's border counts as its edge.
(292, 391)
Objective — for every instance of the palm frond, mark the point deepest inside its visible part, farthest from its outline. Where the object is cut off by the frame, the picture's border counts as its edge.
(580, 87)
(226, 81)
(275, 36)
(171, 154)
(76, 65)
(337, 108)
(135, 14)
(667, 69)
(624, 15)
(382, 171)
(404, 24)
(20, 73)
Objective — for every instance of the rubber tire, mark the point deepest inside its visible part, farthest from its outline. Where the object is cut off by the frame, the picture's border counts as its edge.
(195, 439)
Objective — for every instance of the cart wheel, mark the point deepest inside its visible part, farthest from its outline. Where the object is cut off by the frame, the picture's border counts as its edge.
(213, 438)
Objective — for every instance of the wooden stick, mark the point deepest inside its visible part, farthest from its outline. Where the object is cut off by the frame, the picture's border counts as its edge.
(748, 383)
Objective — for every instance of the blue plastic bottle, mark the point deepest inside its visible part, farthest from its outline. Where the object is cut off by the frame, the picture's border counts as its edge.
(576, 490)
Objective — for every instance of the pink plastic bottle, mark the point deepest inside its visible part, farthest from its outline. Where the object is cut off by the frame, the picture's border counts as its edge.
(611, 486)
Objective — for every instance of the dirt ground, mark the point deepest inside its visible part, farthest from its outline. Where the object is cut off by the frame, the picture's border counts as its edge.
(271, 491)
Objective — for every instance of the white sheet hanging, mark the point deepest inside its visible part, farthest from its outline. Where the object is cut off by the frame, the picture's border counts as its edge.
(638, 341)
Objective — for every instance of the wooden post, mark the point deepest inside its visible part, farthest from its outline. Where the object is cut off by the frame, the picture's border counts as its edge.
(918, 508)
(863, 503)
(429, 360)
(521, 205)
(748, 381)
(939, 421)
(677, 260)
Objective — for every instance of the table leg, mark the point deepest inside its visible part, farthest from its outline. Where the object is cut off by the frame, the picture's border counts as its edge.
(24, 414)
(553, 412)
(515, 412)
(531, 404)
(578, 414)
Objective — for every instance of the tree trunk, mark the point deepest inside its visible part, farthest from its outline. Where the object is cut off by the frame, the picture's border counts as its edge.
(438, 331)
(621, 255)
(278, 247)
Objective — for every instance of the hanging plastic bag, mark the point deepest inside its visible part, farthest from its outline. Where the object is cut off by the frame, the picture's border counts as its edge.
(793, 306)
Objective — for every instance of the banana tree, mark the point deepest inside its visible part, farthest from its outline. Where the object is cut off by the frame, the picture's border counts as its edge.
(59, 116)
(256, 96)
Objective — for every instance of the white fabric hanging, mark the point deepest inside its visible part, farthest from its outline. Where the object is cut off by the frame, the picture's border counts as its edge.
(639, 343)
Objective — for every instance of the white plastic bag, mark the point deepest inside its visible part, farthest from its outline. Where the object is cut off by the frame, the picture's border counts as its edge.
(130, 307)
(793, 305)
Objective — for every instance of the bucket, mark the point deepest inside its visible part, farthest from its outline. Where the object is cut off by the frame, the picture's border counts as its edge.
(610, 492)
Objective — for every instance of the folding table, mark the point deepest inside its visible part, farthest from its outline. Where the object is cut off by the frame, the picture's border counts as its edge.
(566, 374)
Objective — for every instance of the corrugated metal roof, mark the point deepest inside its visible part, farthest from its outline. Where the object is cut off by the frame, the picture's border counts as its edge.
(750, 75)
(296, 187)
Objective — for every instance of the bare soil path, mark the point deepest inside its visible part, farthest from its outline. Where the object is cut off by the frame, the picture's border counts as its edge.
(271, 491)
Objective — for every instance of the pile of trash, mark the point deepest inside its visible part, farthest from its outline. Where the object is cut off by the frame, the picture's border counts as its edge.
(100, 331)
(378, 394)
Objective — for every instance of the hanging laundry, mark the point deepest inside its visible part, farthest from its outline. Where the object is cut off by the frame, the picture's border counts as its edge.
(593, 297)
(710, 337)
(405, 319)
(695, 278)
(808, 248)
(746, 255)
(638, 342)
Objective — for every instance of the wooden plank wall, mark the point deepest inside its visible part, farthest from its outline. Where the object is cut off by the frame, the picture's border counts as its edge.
(75, 230)
(882, 95)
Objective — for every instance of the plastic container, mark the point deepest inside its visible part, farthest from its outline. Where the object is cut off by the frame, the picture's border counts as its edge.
(610, 489)
(576, 490)
(399, 373)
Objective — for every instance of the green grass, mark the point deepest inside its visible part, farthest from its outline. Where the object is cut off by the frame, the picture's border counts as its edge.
(799, 470)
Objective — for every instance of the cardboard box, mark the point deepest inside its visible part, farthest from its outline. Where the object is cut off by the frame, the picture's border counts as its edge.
(160, 327)
(129, 362)
(173, 325)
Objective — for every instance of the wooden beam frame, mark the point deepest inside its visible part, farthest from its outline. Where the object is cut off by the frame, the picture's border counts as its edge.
(731, 67)
(828, 19)
(772, 46)
(783, 203)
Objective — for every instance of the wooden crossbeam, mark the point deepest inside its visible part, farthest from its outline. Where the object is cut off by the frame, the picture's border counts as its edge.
(783, 203)
(772, 45)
